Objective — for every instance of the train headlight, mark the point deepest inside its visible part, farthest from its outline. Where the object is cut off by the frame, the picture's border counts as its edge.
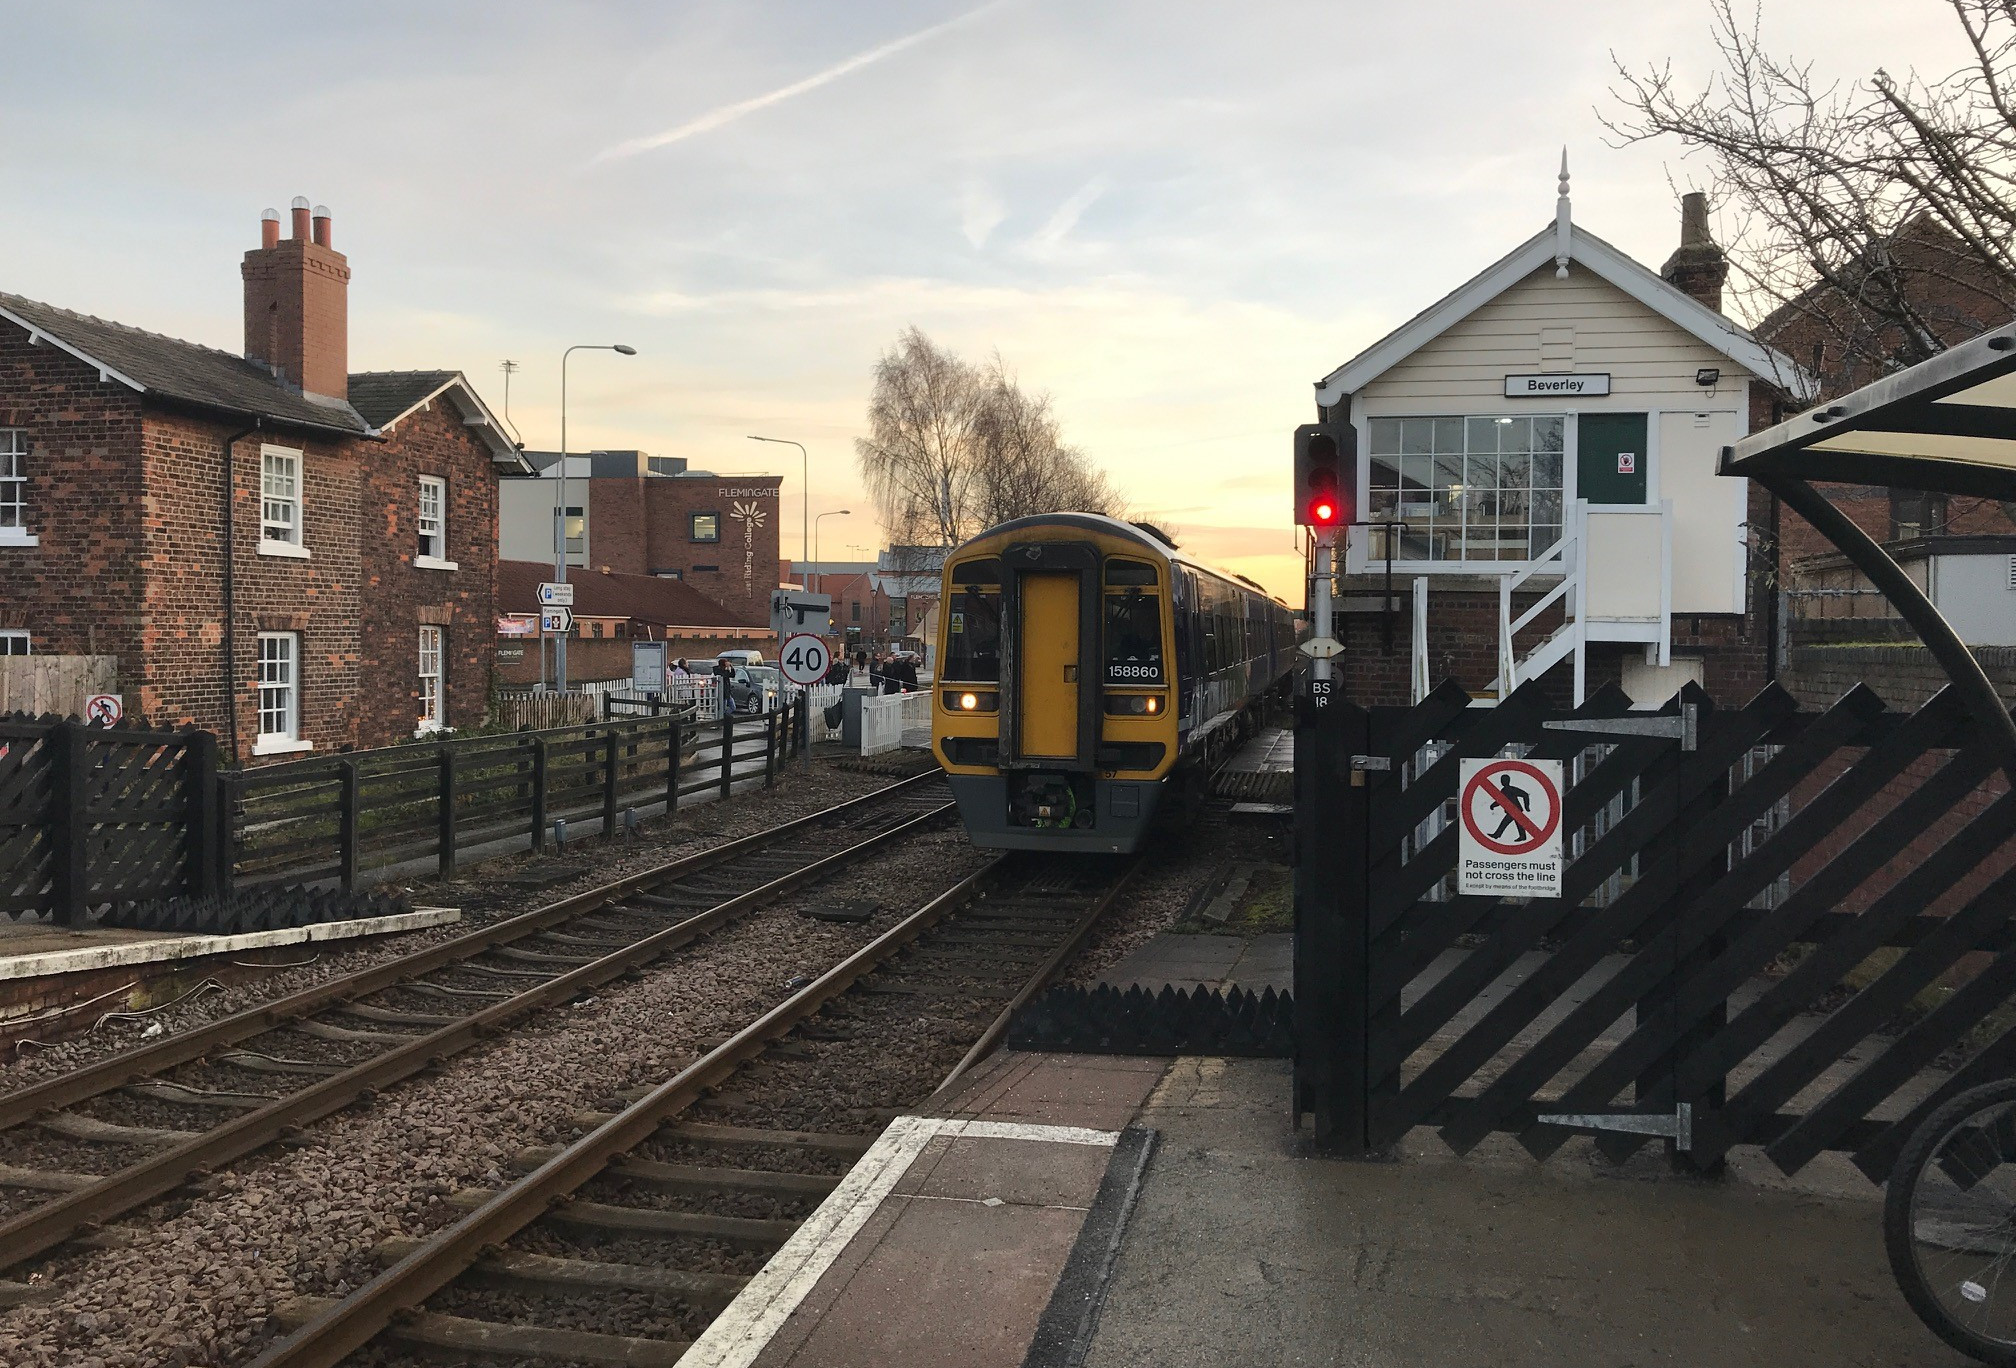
(1154, 705)
(1133, 705)
(969, 701)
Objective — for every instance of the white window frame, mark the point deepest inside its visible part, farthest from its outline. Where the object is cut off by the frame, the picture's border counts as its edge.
(280, 516)
(11, 636)
(14, 489)
(279, 673)
(433, 683)
(433, 540)
(1361, 551)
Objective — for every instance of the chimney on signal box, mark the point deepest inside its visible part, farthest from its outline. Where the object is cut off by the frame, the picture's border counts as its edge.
(297, 303)
(1698, 267)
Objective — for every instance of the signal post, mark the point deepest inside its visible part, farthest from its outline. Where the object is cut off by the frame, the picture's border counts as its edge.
(1331, 737)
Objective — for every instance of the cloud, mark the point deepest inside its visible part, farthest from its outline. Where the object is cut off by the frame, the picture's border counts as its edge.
(728, 113)
(1047, 240)
(980, 213)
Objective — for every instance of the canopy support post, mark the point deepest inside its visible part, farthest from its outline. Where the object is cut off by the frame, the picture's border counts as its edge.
(1911, 604)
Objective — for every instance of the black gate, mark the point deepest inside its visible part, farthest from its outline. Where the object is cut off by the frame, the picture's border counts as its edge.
(1776, 928)
(92, 816)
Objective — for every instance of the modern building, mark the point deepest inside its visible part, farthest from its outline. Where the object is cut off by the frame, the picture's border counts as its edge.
(294, 556)
(1537, 479)
(636, 514)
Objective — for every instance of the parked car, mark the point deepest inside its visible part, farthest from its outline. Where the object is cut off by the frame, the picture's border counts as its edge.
(771, 681)
(742, 657)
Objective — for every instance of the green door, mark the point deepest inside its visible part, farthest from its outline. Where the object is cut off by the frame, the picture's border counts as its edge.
(1610, 458)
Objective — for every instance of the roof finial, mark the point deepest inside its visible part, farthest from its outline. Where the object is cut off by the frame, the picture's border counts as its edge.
(1561, 221)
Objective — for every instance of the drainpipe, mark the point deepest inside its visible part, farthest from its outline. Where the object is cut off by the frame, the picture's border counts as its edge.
(230, 588)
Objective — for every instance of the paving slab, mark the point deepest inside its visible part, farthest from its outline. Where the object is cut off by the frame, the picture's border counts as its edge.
(945, 1243)
(1184, 962)
(1243, 1248)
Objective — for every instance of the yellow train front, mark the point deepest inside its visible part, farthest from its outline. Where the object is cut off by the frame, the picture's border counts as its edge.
(1084, 668)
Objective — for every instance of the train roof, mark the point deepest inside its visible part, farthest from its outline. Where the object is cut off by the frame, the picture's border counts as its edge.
(1118, 527)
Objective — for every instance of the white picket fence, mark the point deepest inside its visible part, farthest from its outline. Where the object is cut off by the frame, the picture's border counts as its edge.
(890, 721)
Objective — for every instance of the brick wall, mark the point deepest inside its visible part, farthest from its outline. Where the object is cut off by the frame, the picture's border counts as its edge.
(744, 560)
(399, 596)
(1903, 675)
(609, 658)
(317, 598)
(78, 591)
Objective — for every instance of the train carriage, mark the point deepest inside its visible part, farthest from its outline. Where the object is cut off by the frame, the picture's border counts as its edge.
(1085, 666)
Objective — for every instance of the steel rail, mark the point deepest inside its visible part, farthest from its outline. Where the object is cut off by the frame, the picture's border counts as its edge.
(326, 1339)
(51, 1223)
(64, 1089)
(1053, 964)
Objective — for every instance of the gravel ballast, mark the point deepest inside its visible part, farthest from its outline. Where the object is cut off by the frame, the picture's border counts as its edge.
(197, 1285)
(482, 894)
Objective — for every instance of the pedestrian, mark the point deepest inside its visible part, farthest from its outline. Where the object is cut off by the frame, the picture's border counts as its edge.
(837, 672)
(724, 675)
(891, 681)
(906, 673)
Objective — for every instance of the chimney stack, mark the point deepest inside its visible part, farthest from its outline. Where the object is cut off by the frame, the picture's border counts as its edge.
(1697, 267)
(297, 308)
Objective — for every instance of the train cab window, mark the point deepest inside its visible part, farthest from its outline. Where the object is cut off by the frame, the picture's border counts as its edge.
(1133, 637)
(973, 635)
(977, 572)
(1129, 572)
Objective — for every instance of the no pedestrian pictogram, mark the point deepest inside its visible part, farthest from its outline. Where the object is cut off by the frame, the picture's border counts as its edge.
(1509, 844)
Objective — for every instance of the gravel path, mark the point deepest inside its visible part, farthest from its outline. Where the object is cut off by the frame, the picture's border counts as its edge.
(482, 895)
(197, 1284)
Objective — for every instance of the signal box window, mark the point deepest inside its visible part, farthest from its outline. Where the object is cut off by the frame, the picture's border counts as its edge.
(706, 527)
(973, 636)
(1466, 489)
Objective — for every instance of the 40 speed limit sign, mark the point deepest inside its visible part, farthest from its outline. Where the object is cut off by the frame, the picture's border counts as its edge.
(805, 659)
(1510, 842)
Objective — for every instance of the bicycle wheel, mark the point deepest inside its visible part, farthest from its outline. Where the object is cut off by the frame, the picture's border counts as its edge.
(1949, 1222)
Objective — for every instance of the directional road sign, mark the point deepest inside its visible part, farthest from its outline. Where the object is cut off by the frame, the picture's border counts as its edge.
(556, 620)
(552, 595)
(804, 658)
(1510, 842)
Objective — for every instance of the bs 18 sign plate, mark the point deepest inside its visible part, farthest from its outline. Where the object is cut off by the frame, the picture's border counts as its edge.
(1510, 842)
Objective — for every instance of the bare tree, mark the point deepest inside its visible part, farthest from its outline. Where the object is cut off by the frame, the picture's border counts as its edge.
(953, 448)
(1870, 221)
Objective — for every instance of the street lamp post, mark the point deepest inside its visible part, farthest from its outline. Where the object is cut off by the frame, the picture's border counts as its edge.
(831, 513)
(560, 497)
(804, 530)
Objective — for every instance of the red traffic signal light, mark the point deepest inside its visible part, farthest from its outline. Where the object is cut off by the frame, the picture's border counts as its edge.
(1324, 454)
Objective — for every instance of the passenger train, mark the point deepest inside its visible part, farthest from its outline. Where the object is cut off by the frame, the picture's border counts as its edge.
(1085, 667)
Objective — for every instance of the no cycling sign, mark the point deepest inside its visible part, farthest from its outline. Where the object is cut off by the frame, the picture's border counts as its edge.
(1509, 844)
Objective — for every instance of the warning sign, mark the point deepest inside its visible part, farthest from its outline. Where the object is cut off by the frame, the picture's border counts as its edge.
(1510, 842)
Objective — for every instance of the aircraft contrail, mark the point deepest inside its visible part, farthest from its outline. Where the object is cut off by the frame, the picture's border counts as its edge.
(728, 113)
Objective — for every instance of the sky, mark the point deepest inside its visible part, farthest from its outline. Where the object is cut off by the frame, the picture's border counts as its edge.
(1173, 217)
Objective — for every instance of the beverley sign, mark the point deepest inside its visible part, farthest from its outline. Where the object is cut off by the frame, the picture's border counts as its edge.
(1556, 386)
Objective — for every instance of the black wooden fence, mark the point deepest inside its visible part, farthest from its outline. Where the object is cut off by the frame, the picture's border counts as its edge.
(336, 817)
(1776, 928)
(93, 815)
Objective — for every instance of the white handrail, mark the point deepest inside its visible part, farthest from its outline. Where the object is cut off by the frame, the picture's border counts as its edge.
(1420, 638)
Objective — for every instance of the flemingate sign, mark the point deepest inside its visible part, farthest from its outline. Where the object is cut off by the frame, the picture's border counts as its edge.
(1556, 386)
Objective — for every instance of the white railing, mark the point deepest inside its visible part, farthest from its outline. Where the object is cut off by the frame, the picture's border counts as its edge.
(890, 721)
(1566, 559)
(703, 691)
(1419, 655)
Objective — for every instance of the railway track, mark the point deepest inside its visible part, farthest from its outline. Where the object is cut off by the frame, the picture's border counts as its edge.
(88, 1146)
(621, 1247)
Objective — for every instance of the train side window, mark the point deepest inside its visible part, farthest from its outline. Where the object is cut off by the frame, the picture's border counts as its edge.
(973, 637)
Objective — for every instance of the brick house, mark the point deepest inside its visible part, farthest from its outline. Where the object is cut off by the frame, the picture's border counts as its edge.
(342, 595)
(637, 514)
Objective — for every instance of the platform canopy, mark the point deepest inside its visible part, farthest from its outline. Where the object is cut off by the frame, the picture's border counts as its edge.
(1947, 425)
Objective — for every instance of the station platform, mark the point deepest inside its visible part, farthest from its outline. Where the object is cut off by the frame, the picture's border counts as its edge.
(1260, 776)
(1187, 962)
(46, 971)
(1114, 1212)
